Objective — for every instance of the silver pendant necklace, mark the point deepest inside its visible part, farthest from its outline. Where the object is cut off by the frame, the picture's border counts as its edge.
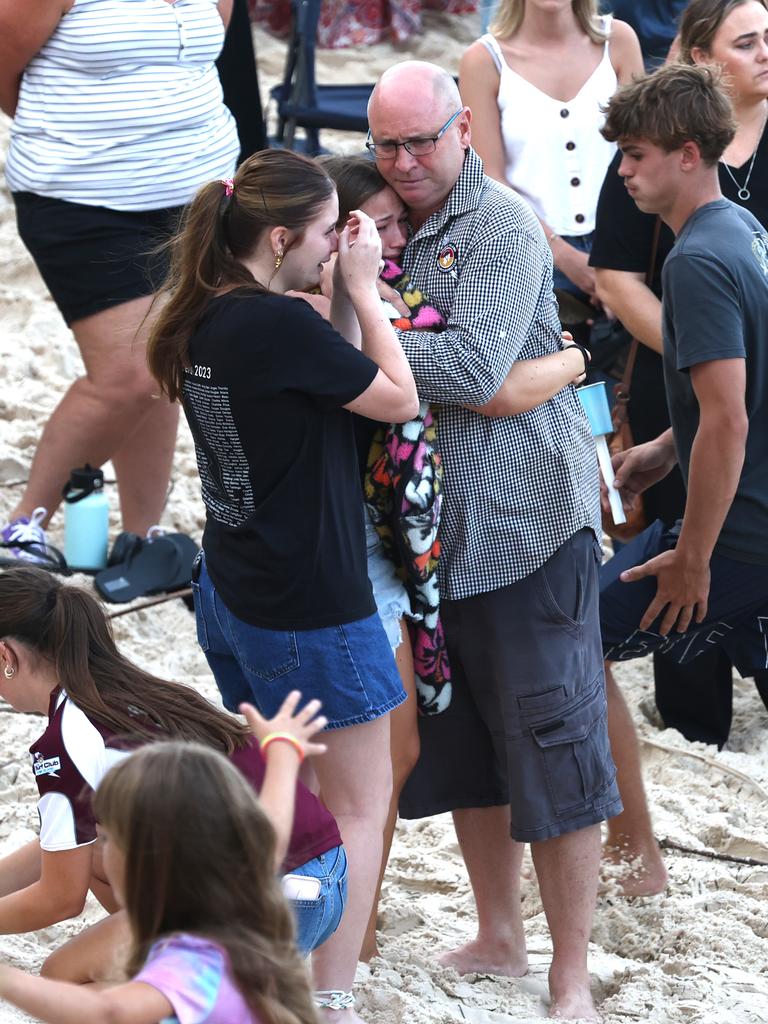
(742, 191)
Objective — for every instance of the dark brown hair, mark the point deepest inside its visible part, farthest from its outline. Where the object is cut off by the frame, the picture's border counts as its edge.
(271, 188)
(199, 858)
(674, 105)
(65, 626)
(357, 179)
(700, 22)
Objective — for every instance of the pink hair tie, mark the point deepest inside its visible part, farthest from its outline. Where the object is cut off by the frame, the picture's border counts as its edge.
(229, 186)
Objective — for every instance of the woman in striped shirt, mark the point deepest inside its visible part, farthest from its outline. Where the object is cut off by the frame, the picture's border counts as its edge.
(118, 118)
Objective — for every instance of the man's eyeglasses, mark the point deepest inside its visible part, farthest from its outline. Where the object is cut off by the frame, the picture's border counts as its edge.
(416, 147)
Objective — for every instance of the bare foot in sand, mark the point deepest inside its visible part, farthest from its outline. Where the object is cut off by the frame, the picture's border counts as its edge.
(571, 998)
(507, 959)
(643, 871)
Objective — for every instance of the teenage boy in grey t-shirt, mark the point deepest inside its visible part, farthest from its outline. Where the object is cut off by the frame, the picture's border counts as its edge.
(704, 582)
(716, 307)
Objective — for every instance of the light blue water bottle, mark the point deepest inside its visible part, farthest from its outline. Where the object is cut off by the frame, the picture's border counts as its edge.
(86, 519)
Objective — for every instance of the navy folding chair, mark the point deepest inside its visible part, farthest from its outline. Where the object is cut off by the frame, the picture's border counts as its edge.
(301, 102)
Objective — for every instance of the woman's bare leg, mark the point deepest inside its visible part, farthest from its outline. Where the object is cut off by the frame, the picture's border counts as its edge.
(111, 412)
(404, 752)
(355, 777)
(630, 836)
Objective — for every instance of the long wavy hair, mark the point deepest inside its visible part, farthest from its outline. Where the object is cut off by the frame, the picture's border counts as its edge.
(218, 231)
(510, 14)
(66, 627)
(199, 859)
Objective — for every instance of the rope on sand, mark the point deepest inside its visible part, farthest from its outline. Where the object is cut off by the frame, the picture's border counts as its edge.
(670, 844)
(187, 592)
(711, 761)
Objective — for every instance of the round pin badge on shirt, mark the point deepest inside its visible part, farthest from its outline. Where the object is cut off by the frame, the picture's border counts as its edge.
(446, 257)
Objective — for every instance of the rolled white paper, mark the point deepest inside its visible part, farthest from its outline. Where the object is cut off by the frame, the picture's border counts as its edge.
(604, 458)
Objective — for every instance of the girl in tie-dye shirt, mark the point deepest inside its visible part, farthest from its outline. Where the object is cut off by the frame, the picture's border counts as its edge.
(191, 856)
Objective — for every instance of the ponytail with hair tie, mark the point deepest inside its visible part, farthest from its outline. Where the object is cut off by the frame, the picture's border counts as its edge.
(217, 236)
(66, 626)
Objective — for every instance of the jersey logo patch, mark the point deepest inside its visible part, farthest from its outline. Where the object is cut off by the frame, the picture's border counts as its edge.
(447, 257)
(760, 250)
(46, 765)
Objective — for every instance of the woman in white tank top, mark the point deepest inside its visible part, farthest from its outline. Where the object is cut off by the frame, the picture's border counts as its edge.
(535, 86)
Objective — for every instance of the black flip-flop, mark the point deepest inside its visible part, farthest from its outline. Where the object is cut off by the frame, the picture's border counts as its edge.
(160, 564)
(46, 556)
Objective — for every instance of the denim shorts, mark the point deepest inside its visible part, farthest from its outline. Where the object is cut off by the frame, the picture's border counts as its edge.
(562, 283)
(391, 597)
(318, 919)
(350, 668)
(527, 723)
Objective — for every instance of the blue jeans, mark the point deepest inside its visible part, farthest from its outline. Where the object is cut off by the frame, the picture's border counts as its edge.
(559, 281)
(317, 919)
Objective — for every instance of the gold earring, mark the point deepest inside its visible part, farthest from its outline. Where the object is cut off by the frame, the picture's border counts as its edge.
(9, 671)
(278, 259)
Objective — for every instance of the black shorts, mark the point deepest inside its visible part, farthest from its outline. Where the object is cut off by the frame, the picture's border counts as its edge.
(527, 720)
(90, 257)
(737, 612)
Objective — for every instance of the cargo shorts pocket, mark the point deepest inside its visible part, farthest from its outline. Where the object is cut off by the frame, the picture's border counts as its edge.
(572, 736)
(265, 653)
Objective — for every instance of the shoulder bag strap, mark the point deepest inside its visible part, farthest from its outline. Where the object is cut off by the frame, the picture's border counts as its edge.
(622, 389)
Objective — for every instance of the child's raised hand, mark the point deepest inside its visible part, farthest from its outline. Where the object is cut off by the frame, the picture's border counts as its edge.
(297, 727)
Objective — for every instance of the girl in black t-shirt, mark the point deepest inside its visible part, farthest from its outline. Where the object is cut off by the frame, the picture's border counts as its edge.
(282, 597)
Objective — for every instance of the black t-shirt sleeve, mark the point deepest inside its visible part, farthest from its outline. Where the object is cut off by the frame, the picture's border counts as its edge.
(623, 238)
(312, 357)
(623, 234)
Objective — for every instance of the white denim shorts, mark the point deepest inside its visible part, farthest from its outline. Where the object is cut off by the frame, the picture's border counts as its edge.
(392, 601)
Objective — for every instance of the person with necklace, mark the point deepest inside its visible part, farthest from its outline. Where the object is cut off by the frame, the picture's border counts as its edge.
(696, 699)
(739, 45)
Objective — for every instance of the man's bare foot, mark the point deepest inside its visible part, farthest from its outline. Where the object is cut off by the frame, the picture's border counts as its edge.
(571, 998)
(508, 960)
(641, 869)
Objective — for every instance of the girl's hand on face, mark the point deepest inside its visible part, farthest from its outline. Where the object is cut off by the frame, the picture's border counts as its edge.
(328, 277)
(359, 250)
(301, 725)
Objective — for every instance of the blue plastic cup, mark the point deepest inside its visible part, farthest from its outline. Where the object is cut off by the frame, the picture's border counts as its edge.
(594, 399)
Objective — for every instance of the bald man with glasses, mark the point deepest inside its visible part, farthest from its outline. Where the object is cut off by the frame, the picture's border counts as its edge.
(523, 746)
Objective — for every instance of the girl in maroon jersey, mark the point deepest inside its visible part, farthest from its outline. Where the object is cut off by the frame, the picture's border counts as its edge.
(58, 658)
(191, 856)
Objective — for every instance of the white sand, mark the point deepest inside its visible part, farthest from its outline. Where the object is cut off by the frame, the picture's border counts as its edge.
(698, 954)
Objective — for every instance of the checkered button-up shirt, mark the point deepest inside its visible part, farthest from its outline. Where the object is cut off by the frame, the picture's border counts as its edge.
(516, 487)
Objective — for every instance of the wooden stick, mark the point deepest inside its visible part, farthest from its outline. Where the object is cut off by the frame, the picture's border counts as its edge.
(670, 844)
(187, 592)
